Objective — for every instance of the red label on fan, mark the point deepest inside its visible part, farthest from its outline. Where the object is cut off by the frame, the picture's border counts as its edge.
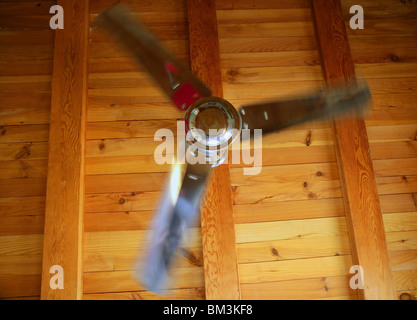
(170, 66)
(185, 96)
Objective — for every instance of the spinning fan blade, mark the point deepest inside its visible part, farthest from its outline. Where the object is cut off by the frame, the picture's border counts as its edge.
(174, 79)
(278, 115)
(179, 208)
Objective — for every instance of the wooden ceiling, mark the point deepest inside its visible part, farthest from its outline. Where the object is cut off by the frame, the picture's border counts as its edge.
(82, 185)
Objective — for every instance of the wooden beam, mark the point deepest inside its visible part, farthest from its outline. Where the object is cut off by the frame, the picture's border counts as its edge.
(217, 221)
(65, 181)
(362, 207)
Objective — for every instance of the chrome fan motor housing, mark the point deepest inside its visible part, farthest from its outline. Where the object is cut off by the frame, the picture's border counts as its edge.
(212, 124)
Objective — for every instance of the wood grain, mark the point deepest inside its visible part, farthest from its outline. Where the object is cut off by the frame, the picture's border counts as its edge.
(384, 53)
(360, 194)
(217, 221)
(314, 288)
(65, 182)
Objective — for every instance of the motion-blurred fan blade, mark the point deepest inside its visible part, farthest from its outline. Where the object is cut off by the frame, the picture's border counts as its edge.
(174, 79)
(278, 115)
(179, 208)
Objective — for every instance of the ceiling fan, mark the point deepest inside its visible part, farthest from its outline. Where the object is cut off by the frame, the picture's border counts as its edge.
(180, 202)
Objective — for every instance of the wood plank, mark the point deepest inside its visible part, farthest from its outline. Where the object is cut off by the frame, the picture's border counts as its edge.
(121, 201)
(263, 15)
(114, 64)
(405, 279)
(161, 32)
(134, 240)
(26, 67)
(289, 210)
(400, 221)
(19, 225)
(128, 129)
(389, 55)
(397, 184)
(23, 169)
(290, 190)
(24, 133)
(118, 221)
(379, 13)
(26, 52)
(19, 285)
(156, 18)
(276, 174)
(123, 259)
(21, 245)
(25, 22)
(22, 206)
(295, 269)
(266, 30)
(26, 150)
(392, 133)
(306, 43)
(261, 4)
(395, 167)
(110, 49)
(299, 289)
(394, 101)
(270, 156)
(367, 41)
(98, 6)
(27, 36)
(303, 153)
(12, 115)
(267, 193)
(21, 264)
(363, 211)
(381, 70)
(22, 187)
(271, 44)
(217, 221)
(132, 164)
(174, 294)
(120, 112)
(18, 9)
(293, 248)
(269, 59)
(268, 90)
(266, 74)
(404, 260)
(394, 116)
(125, 182)
(394, 58)
(65, 188)
(386, 26)
(132, 146)
(398, 203)
(291, 229)
(118, 281)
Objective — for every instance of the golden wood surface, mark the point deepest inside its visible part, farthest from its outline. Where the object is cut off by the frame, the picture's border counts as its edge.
(359, 187)
(64, 209)
(217, 220)
(122, 183)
